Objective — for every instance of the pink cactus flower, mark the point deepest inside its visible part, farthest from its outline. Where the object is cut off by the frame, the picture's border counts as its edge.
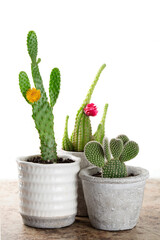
(91, 110)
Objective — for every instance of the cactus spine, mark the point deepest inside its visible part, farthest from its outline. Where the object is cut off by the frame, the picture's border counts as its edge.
(42, 109)
(121, 151)
(82, 132)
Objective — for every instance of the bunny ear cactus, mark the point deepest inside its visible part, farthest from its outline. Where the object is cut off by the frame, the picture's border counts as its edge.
(37, 97)
(82, 133)
(114, 167)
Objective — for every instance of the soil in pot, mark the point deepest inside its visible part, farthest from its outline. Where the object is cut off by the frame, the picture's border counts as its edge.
(40, 161)
(99, 174)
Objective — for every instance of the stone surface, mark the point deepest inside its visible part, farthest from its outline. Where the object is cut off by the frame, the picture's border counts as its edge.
(148, 227)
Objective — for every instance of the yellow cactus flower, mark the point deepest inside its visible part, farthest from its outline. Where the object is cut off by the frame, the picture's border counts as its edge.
(33, 95)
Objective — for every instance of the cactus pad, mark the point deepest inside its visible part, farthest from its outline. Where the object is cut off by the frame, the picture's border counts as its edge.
(130, 150)
(54, 86)
(24, 84)
(94, 153)
(124, 138)
(114, 169)
(116, 147)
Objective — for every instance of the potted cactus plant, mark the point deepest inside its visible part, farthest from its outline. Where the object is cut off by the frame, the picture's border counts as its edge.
(113, 192)
(47, 182)
(82, 134)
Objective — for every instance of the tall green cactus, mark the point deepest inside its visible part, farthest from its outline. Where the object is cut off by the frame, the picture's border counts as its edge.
(100, 133)
(82, 132)
(42, 109)
(121, 148)
(66, 143)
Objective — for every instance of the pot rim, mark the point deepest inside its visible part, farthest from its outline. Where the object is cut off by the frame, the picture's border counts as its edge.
(71, 151)
(22, 159)
(142, 175)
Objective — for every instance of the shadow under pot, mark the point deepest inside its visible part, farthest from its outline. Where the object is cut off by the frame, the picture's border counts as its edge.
(48, 192)
(114, 204)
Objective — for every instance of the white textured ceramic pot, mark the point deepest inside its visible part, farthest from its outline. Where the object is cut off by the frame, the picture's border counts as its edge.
(81, 209)
(48, 192)
(114, 203)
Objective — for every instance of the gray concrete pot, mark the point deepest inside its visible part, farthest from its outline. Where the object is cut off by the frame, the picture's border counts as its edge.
(82, 208)
(114, 204)
(48, 192)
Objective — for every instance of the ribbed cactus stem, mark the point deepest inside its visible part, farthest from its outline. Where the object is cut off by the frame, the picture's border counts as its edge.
(66, 143)
(82, 130)
(92, 87)
(100, 133)
(66, 127)
(90, 92)
(104, 114)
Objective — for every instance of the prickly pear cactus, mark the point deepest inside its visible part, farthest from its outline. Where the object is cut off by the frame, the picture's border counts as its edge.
(41, 108)
(121, 148)
(82, 133)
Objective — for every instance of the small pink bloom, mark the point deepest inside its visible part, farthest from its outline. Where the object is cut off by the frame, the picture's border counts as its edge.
(91, 110)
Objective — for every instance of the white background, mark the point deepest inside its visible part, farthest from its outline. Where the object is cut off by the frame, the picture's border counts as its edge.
(78, 37)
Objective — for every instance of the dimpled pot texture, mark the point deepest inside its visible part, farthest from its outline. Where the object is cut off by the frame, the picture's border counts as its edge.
(48, 192)
(82, 208)
(114, 203)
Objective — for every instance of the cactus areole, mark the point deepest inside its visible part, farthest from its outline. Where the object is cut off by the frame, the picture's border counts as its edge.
(116, 152)
(37, 98)
(82, 132)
